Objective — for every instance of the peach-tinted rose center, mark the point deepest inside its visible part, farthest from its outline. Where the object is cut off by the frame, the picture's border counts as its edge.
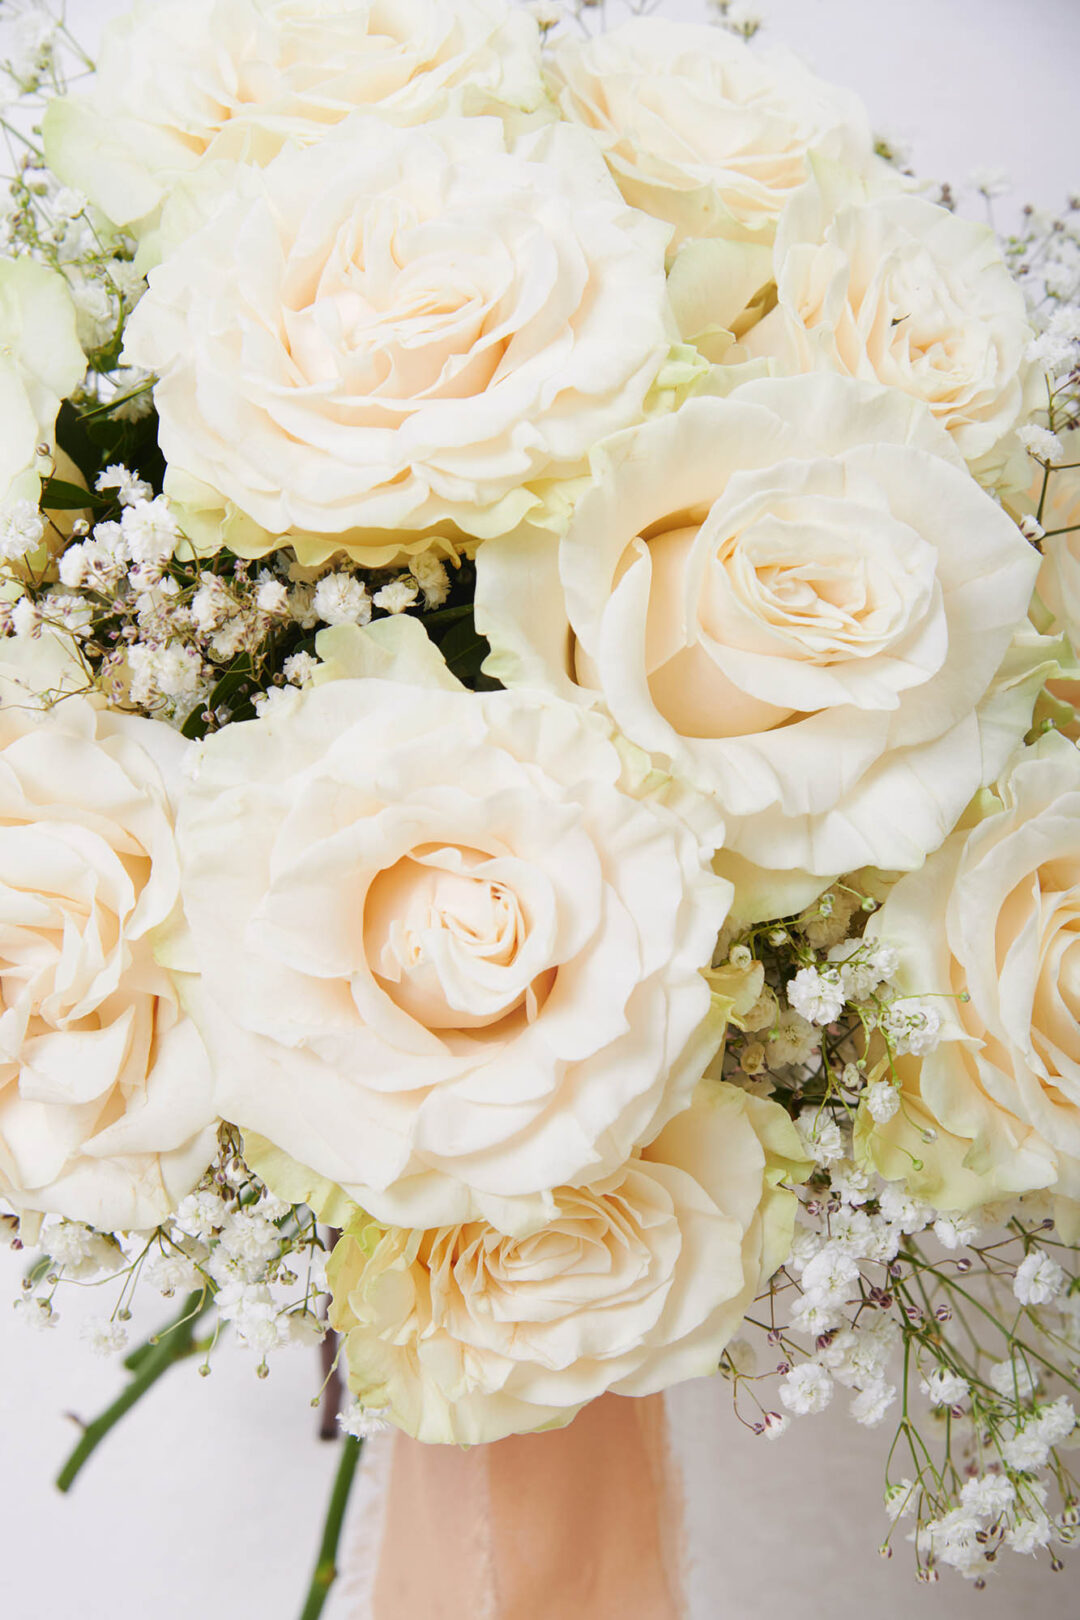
(442, 939)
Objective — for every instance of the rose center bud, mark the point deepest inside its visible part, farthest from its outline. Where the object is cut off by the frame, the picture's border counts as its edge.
(445, 940)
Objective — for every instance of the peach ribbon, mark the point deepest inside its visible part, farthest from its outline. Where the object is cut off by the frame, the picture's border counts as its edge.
(581, 1523)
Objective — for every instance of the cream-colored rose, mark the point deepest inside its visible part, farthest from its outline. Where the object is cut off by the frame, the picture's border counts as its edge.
(894, 289)
(451, 960)
(798, 597)
(397, 329)
(233, 80)
(992, 925)
(637, 1282)
(40, 363)
(105, 1107)
(1059, 576)
(698, 129)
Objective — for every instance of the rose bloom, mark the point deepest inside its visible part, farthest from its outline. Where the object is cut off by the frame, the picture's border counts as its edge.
(994, 917)
(397, 329)
(798, 597)
(1059, 576)
(894, 289)
(233, 80)
(105, 1108)
(698, 129)
(40, 363)
(638, 1281)
(449, 958)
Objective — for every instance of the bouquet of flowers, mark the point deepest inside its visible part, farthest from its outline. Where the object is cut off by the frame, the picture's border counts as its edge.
(540, 600)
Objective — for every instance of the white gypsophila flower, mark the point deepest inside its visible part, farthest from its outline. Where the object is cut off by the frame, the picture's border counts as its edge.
(254, 1314)
(68, 203)
(900, 1499)
(991, 182)
(67, 610)
(251, 1240)
(849, 1183)
(398, 595)
(988, 1496)
(794, 1040)
(104, 1336)
(902, 1210)
(35, 1313)
(130, 489)
(1029, 1535)
(859, 971)
(361, 1422)
(813, 1317)
(172, 1273)
(299, 668)
(1039, 1279)
(817, 994)
(151, 532)
(174, 672)
(870, 1405)
(942, 1387)
(1057, 1421)
(302, 606)
(25, 617)
(911, 1026)
(341, 599)
(820, 1135)
(211, 604)
(22, 527)
(854, 1231)
(955, 1231)
(954, 1539)
(806, 1389)
(272, 595)
(829, 1276)
(1013, 1379)
(275, 700)
(885, 959)
(431, 576)
(1026, 1451)
(1041, 443)
(804, 1245)
(201, 1214)
(882, 1100)
(774, 1424)
(78, 1250)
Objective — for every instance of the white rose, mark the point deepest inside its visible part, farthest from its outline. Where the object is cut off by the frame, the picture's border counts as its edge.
(40, 364)
(449, 960)
(698, 129)
(396, 329)
(637, 1282)
(798, 597)
(894, 289)
(994, 917)
(105, 1108)
(233, 80)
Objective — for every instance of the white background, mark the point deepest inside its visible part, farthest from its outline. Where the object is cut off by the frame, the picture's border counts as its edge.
(207, 1500)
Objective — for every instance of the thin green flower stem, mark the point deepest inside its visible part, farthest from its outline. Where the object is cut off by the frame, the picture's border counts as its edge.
(174, 1343)
(325, 1571)
(1006, 1333)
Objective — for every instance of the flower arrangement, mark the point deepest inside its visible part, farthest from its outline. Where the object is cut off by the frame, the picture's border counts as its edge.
(540, 606)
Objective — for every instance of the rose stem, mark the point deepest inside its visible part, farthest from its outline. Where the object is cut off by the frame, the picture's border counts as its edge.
(150, 1361)
(325, 1572)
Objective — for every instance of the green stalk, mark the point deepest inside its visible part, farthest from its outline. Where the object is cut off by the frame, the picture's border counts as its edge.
(150, 1361)
(325, 1571)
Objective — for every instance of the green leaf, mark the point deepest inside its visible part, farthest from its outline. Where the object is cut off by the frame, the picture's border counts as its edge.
(238, 674)
(58, 496)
